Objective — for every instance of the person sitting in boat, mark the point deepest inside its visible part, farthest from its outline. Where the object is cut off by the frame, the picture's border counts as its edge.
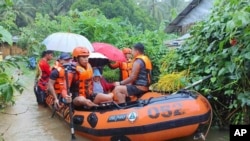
(57, 81)
(139, 80)
(125, 67)
(83, 91)
(100, 85)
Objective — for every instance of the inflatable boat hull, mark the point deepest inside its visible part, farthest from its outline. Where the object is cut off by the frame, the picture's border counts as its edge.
(152, 117)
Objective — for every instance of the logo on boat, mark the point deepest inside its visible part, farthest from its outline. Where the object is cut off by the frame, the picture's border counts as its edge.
(132, 116)
(115, 118)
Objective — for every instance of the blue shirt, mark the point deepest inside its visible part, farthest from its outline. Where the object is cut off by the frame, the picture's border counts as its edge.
(97, 87)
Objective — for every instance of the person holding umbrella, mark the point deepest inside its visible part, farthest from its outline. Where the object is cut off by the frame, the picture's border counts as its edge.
(56, 84)
(138, 82)
(125, 67)
(82, 85)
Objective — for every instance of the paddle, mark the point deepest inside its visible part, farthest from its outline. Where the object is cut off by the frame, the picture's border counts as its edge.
(70, 105)
(195, 83)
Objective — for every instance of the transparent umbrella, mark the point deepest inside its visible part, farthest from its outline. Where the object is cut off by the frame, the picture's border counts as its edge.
(66, 42)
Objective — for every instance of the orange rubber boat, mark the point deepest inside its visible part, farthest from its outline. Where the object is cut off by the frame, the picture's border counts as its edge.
(154, 116)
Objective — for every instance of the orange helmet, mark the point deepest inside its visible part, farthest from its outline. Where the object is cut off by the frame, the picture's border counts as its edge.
(80, 51)
(126, 51)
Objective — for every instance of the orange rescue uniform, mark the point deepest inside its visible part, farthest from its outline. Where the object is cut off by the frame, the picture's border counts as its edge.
(141, 80)
(84, 78)
(125, 68)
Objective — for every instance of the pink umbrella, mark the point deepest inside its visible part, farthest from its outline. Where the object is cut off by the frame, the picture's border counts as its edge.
(110, 51)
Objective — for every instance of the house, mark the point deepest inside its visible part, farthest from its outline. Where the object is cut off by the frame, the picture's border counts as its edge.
(197, 10)
(14, 49)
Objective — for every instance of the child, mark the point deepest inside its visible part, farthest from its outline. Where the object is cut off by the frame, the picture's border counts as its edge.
(100, 85)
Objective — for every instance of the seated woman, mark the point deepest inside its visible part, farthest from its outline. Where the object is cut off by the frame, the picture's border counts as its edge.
(100, 85)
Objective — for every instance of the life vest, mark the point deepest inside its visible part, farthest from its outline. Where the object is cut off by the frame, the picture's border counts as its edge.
(125, 69)
(59, 82)
(85, 84)
(144, 76)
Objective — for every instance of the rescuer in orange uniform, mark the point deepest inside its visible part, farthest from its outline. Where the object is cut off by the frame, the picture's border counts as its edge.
(82, 86)
(125, 67)
(57, 81)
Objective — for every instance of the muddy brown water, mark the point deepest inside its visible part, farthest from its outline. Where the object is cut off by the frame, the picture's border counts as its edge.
(26, 121)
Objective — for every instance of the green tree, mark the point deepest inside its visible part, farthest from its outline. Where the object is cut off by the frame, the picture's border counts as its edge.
(5, 36)
(123, 9)
(176, 6)
(7, 17)
(24, 12)
(162, 10)
(53, 7)
(156, 9)
(5, 3)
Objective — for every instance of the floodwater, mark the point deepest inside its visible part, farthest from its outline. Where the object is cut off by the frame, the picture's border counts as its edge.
(26, 121)
(213, 135)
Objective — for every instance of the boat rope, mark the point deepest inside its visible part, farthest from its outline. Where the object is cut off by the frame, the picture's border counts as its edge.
(148, 101)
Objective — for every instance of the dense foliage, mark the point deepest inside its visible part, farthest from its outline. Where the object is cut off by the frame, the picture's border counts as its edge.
(220, 46)
(147, 14)
(5, 36)
(123, 9)
(9, 77)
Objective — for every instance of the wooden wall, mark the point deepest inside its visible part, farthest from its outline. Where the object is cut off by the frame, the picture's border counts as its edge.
(6, 50)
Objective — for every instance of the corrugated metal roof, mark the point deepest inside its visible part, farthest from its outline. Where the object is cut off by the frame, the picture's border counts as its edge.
(176, 24)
